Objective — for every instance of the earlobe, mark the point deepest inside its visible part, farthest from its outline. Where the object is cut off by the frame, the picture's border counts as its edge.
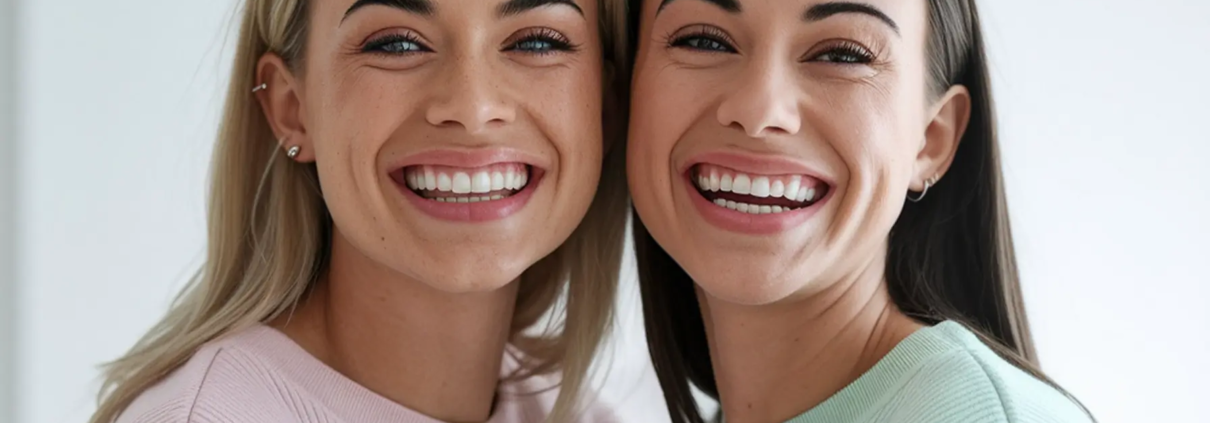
(942, 136)
(277, 91)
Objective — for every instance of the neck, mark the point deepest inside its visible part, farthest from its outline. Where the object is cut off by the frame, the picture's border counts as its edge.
(809, 348)
(434, 352)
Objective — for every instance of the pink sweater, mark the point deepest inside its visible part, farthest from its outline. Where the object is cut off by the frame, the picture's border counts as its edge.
(261, 375)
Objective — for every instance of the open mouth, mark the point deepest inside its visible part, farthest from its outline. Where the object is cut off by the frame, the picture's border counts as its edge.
(445, 184)
(756, 193)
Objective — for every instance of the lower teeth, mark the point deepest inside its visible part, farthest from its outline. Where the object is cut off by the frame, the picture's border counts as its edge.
(751, 208)
(467, 199)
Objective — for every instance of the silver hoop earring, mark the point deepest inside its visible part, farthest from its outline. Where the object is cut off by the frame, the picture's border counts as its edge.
(928, 183)
(293, 151)
(262, 86)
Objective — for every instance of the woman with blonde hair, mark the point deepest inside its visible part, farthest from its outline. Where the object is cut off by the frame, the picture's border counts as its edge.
(402, 190)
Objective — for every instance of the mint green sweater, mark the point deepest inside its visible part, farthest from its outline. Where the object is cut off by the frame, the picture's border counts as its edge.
(944, 374)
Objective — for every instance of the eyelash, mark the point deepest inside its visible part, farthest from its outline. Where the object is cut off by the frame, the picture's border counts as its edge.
(710, 39)
(380, 45)
(703, 38)
(548, 41)
(844, 53)
(554, 42)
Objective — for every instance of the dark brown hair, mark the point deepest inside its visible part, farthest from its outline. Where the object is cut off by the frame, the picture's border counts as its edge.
(950, 256)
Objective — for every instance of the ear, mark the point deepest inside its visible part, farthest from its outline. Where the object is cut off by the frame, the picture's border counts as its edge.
(281, 101)
(950, 116)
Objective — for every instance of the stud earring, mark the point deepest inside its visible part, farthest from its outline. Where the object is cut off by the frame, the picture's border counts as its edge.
(292, 152)
(262, 86)
(928, 183)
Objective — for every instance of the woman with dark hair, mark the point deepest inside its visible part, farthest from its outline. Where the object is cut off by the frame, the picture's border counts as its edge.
(823, 233)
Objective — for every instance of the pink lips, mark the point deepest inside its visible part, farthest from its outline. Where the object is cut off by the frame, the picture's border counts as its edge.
(471, 212)
(755, 224)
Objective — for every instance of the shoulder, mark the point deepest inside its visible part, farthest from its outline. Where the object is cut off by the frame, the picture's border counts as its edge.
(971, 383)
(222, 381)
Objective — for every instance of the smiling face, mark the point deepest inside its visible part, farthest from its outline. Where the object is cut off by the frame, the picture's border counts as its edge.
(457, 141)
(772, 142)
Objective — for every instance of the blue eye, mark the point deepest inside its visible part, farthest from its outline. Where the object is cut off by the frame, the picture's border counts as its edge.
(534, 45)
(395, 44)
(845, 54)
(701, 43)
(542, 41)
(400, 47)
(704, 38)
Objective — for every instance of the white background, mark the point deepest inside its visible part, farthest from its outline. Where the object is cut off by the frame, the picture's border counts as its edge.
(1103, 108)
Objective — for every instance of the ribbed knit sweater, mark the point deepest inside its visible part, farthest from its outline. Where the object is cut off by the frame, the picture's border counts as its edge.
(260, 375)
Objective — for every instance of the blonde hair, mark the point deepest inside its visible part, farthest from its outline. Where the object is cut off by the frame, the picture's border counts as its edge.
(268, 233)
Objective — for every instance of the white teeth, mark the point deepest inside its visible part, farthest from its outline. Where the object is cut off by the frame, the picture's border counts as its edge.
(778, 189)
(741, 184)
(810, 195)
(509, 176)
(760, 187)
(443, 182)
(481, 183)
(462, 183)
(802, 194)
(472, 199)
(524, 180)
(497, 181)
(413, 181)
(792, 188)
(750, 208)
(724, 184)
(430, 179)
(714, 182)
(703, 182)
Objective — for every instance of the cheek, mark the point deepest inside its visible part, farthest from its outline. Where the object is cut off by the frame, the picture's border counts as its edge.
(663, 108)
(568, 108)
(874, 132)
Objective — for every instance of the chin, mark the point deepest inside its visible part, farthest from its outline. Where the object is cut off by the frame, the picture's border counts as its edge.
(731, 282)
(470, 274)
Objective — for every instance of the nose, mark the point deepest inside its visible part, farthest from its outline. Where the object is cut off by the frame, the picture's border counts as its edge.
(764, 103)
(470, 96)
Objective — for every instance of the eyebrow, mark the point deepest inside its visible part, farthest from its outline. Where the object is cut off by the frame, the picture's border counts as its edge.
(419, 7)
(425, 7)
(814, 13)
(517, 7)
(730, 6)
(823, 11)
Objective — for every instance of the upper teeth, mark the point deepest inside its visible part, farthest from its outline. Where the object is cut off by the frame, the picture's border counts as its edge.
(793, 187)
(479, 181)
